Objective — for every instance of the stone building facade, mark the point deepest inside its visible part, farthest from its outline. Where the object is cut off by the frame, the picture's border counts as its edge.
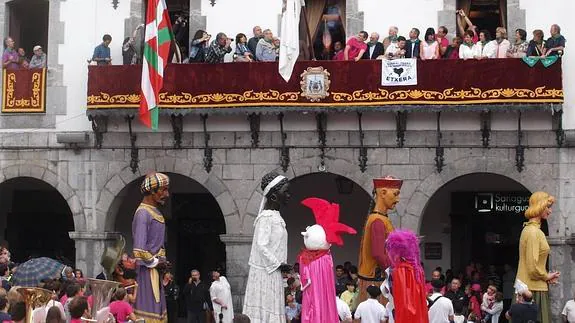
(90, 179)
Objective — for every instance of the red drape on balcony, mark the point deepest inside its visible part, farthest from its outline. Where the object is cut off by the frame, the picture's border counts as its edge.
(440, 82)
(24, 91)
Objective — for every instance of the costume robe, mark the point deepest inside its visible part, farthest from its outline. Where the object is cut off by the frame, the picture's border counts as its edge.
(148, 230)
(221, 290)
(319, 305)
(373, 258)
(264, 299)
(409, 297)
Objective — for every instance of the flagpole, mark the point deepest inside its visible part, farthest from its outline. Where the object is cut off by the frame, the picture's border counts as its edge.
(304, 11)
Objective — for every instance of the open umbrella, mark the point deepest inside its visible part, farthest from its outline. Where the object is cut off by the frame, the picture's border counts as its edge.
(33, 271)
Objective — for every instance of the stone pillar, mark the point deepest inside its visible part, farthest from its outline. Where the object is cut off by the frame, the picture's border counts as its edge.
(354, 18)
(561, 259)
(515, 18)
(196, 20)
(447, 18)
(89, 249)
(238, 247)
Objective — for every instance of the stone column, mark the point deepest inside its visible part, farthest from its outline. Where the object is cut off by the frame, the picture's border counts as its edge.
(238, 247)
(354, 18)
(515, 19)
(447, 17)
(89, 249)
(196, 20)
(561, 259)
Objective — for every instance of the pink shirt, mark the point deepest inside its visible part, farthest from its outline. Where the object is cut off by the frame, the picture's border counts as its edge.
(355, 46)
(443, 41)
(121, 310)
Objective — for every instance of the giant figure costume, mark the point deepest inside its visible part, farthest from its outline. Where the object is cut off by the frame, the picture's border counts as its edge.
(148, 229)
(264, 299)
(316, 263)
(405, 284)
(373, 259)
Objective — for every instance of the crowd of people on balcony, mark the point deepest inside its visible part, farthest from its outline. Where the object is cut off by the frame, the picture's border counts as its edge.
(13, 58)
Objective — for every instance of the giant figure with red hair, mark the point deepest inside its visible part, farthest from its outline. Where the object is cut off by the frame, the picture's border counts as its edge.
(405, 283)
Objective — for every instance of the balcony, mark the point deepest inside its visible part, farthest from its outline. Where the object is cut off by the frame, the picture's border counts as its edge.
(257, 87)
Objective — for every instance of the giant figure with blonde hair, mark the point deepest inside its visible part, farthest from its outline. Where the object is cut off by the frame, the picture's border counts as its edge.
(533, 254)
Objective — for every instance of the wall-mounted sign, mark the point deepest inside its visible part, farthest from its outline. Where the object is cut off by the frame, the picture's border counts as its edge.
(502, 202)
(433, 250)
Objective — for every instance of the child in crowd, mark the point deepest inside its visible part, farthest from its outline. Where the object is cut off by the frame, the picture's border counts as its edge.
(293, 309)
(349, 295)
(78, 308)
(458, 310)
(120, 308)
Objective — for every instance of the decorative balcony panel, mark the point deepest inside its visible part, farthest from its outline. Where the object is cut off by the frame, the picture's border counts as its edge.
(235, 87)
(24, 91)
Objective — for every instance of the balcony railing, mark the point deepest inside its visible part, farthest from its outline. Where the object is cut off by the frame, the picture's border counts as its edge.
(24, 91)
(441, 84)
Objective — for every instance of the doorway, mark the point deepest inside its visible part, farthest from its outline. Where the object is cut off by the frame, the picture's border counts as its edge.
(194, 223)
(474, 218)
(28, 24)
(485, 14)
(322, 25)
(353, 201)
(35, 220)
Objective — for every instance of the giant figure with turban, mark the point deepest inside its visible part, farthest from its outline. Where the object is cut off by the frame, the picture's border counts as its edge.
(148, 230)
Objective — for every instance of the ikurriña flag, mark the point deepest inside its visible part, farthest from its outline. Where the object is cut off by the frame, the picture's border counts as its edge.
(157, 43)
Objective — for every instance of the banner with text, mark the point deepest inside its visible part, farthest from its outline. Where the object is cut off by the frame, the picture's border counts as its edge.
(399, 72)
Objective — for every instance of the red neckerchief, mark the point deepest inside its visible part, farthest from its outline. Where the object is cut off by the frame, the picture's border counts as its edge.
(306, 256)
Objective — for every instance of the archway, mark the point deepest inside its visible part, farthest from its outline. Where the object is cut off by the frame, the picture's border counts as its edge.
(35, 220)
(28, 23)
(476, 217)
(194, 222)
(352, 198)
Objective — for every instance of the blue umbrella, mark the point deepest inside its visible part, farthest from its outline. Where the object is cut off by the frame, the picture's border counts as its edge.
(33, 271)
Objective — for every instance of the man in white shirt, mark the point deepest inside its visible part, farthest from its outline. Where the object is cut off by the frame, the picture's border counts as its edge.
(371, 311)
(343, 310)
(440, 308)
(568, 313)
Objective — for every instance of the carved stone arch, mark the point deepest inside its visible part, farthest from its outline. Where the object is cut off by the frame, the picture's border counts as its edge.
(417, 202)
(44, 174)
(303, 166)
(106, 216)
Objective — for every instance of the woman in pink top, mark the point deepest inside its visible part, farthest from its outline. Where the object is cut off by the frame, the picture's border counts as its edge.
(430, 47)
(120, 308)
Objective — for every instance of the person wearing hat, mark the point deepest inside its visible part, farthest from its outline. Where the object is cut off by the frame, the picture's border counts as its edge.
(373, 259)
(39, 58)
(148, 229)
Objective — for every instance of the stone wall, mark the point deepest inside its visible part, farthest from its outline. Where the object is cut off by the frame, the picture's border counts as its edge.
(89, 179)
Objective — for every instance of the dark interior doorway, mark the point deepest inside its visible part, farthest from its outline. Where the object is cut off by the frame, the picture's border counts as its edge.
(322, 24)
(353, 203)
(485, 14)
(474, 218)
(194, 223)
(36, 221)
(28, 24)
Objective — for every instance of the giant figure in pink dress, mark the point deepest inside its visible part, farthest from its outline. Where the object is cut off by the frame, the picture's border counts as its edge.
(316, 263)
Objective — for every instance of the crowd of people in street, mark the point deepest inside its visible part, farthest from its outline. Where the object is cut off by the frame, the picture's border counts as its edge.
(16, 58)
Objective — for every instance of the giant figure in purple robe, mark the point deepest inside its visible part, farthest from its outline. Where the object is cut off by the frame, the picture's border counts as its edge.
(148, 229)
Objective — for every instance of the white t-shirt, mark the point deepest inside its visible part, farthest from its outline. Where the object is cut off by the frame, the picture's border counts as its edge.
(569, 311)
(342, 309)
(441, 309)
(458, 318)
(371, 311)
